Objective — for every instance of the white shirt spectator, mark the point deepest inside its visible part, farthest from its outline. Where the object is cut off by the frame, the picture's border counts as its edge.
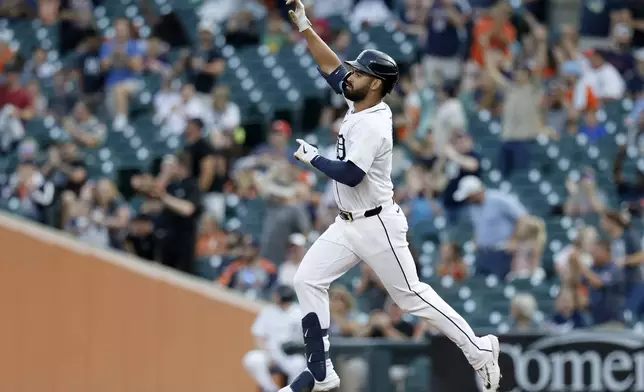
(226, 120)
(374, 12)
(278, 326)
(450, 117)
(326, 8)
(607, 82)
(173, 112)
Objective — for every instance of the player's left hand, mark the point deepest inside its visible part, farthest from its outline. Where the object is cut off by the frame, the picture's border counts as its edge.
(306, 152)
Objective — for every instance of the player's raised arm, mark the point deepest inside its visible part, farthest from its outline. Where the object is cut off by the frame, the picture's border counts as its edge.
(329, 63)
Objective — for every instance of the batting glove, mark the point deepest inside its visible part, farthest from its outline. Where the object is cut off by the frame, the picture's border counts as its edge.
(298, 16)
(306, 153)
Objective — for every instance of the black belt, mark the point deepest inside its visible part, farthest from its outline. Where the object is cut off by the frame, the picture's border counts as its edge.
(347, 216)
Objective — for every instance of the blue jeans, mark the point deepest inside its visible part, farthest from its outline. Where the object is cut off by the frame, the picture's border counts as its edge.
(493, 262)
(514, 155)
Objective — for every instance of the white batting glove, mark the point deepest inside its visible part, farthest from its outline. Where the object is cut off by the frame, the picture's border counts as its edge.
(298, 16)
(306, 152)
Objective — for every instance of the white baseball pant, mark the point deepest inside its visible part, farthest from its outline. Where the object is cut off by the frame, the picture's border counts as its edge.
(381, 242)
(258, 362)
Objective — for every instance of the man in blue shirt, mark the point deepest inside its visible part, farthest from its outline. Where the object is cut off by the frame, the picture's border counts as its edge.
(498, 219)
(605, 281)
(122, 60)
(446, 44)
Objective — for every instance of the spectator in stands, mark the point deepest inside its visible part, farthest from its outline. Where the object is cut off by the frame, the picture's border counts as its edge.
(370, 288)
(16, 106)
(497, 218)
(179, 219)
(286, 209)
(487, 95)
(605, 281)
(174, 110)
(595, 23)
(417, 198)
(122, 60)
(606, 80)
(40, 102)
(494, 33)
(295, 254)
(38, 66)
(225, 115)
(63, 95)
(445, 47)
(521, 121)
(277, 146)
(460, 160)
(252, 274)
(635, 16)
(627, 253)
(583, 196)
(635, 79)
(84, 128)
(67, 168)
(155, 59)
(345, 318)
(568, 314)
(325, 9)
(203, 64)
(204, 167)
(523, 309)
(592, 128)
(450, 115)
(140, 239)
(76, 19)
(579, 96)
(88, 71)
(110, 211)
(277, 323)
(212, 240)
(32, 191)
(580, 248)
(275, 35)
(242, 30)
(451, 262)
(628, 191)
(370, 13)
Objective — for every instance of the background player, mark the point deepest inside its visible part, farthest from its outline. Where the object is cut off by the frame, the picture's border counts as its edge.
(370, 226)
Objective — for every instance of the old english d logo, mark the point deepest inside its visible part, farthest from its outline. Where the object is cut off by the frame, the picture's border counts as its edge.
(341, 151)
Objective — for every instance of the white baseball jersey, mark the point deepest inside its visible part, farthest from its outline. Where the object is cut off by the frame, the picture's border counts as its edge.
(366, 139)
(277, 325)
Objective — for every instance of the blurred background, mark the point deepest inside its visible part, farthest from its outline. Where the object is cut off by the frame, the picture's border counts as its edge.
(108, 106)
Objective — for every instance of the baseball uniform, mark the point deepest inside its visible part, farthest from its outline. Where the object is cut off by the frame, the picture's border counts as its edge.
(372, 228)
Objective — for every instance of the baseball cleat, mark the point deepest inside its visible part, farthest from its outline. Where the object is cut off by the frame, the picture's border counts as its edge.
(331, 382)
(490, 373)
(306, 383)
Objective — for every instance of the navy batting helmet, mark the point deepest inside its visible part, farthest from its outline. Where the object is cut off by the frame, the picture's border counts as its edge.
(379, 65)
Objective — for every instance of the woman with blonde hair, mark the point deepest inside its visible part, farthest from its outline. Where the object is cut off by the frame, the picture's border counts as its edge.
(111, 212)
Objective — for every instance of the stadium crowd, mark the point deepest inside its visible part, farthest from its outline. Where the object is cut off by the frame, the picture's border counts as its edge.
(500, 59)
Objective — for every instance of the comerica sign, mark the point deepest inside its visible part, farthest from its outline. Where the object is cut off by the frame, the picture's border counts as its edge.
(573, 362)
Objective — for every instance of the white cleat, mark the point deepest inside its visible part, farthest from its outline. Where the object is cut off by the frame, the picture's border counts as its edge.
(305, 381)
(331, 382)
(490, 373)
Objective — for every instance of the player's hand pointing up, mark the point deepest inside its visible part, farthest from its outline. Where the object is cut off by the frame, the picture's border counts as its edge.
(298, 16)
(306, 153)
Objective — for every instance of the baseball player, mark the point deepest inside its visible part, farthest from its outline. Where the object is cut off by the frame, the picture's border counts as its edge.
(370, 226)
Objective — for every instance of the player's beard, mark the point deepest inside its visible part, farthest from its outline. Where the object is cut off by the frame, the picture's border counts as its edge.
(354, 95)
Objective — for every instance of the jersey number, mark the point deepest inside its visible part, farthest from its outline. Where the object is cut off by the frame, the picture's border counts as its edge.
(341, 151)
